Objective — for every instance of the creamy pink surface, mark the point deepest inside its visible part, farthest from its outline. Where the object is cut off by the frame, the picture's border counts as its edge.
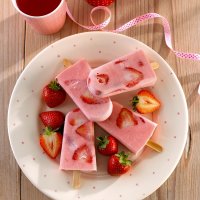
(47, 24)
(120, 73)
(133, 137)
(74, 82)
(72, 141)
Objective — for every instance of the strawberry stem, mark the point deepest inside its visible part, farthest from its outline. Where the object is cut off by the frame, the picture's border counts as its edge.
(54, 85)
(134, 102)
(48, 131)
(123, 158)
(103, 141)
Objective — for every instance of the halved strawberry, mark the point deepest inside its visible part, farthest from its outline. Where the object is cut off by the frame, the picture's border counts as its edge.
(103, 78)
(126, 119)
(145, 102)
(82, 153)
(133, 76)
(84, 130)
(51, 142)
(88, 98)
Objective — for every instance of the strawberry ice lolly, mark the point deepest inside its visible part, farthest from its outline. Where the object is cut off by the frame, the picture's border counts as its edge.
(74, 82)
(130, 128)
(124, 74)
(78, 151)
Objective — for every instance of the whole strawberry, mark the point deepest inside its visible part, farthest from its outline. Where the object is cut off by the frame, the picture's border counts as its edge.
(52, 119)
(119, 164)
(107, 145)
(51, 142)
(53, 94)
(100, 2)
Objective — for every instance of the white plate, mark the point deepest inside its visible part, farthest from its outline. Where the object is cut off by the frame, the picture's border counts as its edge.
(149, 171)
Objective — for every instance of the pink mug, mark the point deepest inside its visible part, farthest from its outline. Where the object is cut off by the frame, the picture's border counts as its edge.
(49, 23)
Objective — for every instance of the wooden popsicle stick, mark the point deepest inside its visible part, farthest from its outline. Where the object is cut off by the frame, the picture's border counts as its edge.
(76, 179)
(156, 147)
(66, 62)
(154, 65)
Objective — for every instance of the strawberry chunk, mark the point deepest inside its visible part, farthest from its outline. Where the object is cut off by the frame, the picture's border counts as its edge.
(88, 98)
(126, 119)
(82, 153)
(76, 122)
(133, 76)
(145, 102)
(84, 130)
(103, 78)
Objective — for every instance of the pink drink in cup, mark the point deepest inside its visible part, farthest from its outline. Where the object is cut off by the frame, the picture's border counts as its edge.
(45, 16)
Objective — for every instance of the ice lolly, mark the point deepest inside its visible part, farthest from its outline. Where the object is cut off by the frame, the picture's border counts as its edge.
(124, 74)
(78, 150)
(130, 128)
(74, 82)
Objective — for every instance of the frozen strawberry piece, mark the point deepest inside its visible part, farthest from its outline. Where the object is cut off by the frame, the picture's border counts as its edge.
(126, 119)
(88, 98)
(85, 131)
(103, 78)
(82, 153)
(78, 150)
(74, 81)
(130, 128)
(134, 77)
(127, 73)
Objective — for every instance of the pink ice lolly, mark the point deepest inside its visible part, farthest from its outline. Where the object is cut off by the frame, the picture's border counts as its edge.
(130, 128)
(74, 82)
(124, 74)
(78, 151)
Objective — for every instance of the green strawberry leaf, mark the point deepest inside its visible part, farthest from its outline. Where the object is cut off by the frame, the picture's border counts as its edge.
(103, 141)
(134, 102)
(123, 159)
(54, 85)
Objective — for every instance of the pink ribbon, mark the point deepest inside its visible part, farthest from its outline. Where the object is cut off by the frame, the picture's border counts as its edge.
(133, 22)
